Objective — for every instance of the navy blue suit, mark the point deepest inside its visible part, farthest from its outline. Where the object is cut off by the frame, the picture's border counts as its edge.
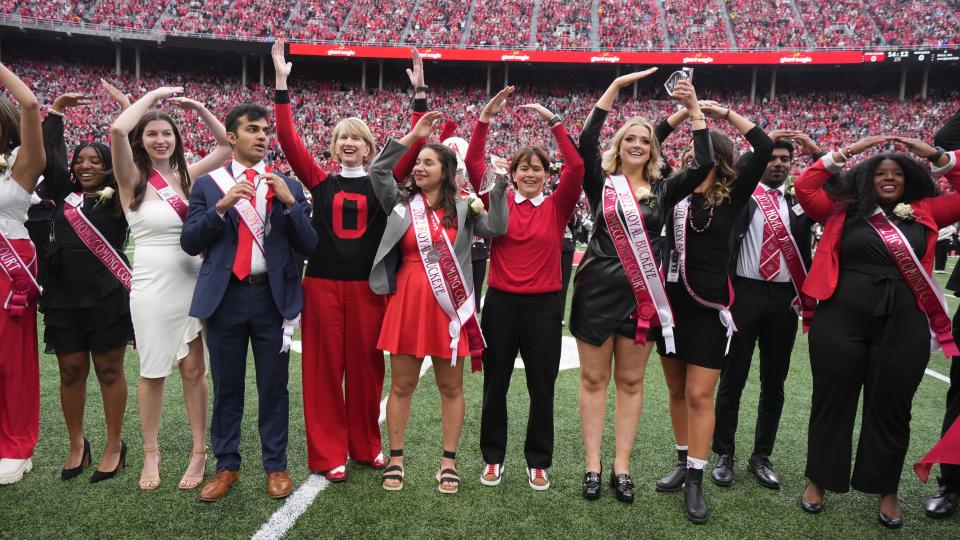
(237, 312)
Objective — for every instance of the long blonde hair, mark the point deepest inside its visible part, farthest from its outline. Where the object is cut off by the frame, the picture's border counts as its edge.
(610, 160)
(358, 127)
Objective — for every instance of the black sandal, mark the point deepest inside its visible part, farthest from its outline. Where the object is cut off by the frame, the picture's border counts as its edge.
(448, 476)
(390, 474)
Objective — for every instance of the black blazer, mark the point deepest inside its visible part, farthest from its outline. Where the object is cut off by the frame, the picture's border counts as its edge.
(800, 227)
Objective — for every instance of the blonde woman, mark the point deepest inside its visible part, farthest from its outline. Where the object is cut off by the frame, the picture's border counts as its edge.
(605, 311)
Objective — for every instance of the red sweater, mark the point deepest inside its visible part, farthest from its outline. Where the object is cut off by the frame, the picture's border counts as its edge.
(526, 260)
(932, 212)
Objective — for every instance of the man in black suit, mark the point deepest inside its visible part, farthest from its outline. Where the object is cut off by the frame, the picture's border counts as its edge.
(764, 314)
(944, 503)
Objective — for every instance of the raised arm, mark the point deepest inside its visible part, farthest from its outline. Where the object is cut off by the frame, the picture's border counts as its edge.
(493, 222)
(475, 160)
(610, 95)
(294, 150)
(30, 157)
(221, 152)
(815, 201)
(945, 208)
(381, 169)
(568, 192)
(124, 168)
(116, 94)
(683, 183)
(751, 170)
(405, 166)
(56, 174)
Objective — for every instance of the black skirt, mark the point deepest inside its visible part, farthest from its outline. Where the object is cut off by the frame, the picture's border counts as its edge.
(700, 337)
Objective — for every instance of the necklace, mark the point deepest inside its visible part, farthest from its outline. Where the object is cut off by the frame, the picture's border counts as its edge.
(706, 225)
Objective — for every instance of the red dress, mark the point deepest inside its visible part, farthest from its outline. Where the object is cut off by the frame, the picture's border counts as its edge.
(414, 323)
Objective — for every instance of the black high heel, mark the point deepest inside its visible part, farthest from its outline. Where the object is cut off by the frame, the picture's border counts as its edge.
(99, 476)
(67, 474)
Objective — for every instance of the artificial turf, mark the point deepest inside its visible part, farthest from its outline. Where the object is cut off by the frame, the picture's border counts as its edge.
(41, 506)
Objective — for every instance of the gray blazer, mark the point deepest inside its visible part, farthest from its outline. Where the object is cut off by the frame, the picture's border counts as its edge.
(383, 276)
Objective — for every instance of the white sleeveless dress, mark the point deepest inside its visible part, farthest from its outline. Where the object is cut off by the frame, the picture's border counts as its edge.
(164, 277)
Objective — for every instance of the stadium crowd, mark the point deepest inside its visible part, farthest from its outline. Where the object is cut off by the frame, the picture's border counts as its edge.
(634, 24)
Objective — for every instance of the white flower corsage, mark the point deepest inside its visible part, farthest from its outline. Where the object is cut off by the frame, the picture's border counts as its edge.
(475, 205)
(904, 212)
(3, 164)
(104, 195)
(645, 196)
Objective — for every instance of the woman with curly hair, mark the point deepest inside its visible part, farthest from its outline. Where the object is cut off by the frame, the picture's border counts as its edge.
(878, 308)
(700, 292)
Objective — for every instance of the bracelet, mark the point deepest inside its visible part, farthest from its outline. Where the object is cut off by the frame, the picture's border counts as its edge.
(419, 89)
(694, 117)
(937, 154)
(554, 121)
(843, 154)
(726, 115)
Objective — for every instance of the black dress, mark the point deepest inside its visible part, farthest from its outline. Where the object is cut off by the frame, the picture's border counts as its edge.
(700, 337)
(603, 300)
(85, 306)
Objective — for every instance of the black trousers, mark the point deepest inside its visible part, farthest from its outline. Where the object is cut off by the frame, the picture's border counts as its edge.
(530, 325)
(764, 316)
(940, 255)
(247, 314)
(950, 474)
(869, 335)
(566, 267)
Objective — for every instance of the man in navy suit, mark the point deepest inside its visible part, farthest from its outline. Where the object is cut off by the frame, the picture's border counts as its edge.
(247, 221)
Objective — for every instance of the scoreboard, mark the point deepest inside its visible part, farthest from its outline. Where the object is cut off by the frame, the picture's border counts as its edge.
(923, 55)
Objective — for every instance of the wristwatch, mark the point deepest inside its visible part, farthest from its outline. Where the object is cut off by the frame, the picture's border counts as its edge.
(695, 117)
(937, 154)
(419, 89)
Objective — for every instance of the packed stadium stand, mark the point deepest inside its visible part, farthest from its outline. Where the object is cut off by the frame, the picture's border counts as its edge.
(546, 24)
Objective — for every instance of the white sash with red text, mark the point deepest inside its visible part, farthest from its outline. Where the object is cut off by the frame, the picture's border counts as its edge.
(24, 288)
(680, 216)
(925, 289)
(804, 305)
(225, 180)
(447, 281)
(630, 238)
(94, 239)
(168, 194)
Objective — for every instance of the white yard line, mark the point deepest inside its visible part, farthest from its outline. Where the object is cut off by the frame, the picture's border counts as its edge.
(937, 375)
(300, 500)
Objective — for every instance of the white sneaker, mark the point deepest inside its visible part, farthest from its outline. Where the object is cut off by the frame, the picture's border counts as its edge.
(12, 470)
(491, 469)
(538, 479)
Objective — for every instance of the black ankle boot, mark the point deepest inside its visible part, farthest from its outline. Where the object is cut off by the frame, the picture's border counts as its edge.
(697, 510)
(674, 480)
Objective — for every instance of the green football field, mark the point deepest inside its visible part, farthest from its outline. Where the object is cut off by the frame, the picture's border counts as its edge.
(41, 506)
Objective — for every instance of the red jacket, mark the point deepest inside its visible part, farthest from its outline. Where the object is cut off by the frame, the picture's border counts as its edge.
(932, 212)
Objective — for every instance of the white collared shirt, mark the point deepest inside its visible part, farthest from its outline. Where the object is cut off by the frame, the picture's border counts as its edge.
(536, 201)
(258, 264)
(748, 264)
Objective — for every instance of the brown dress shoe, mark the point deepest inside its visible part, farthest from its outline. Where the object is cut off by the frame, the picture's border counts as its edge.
(279, 484)
(219, 485)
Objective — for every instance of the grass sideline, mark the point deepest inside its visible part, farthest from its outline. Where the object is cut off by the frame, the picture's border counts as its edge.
(41, 506)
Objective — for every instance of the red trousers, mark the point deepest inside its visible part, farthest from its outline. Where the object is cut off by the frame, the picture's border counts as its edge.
(19, 371)
(342, 371)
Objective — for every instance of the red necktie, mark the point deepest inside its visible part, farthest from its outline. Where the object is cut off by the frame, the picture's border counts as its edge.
(241, 264)
(770, 249)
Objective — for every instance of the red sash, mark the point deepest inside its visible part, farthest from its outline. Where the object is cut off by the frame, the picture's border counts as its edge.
(168, 194)
(947, 450)
(248, 214)
(678, 266)
(447, 281)
(926, 290)
(94, 239)
(632, 242)
(803, 304)
(24, 289)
